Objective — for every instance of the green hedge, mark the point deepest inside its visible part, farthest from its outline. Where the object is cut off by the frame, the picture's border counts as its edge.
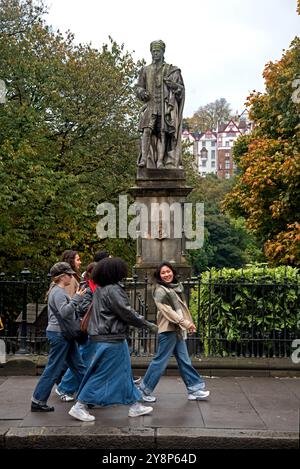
(251, 311)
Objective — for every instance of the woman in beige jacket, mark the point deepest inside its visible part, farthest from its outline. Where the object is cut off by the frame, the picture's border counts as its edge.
(174, 321)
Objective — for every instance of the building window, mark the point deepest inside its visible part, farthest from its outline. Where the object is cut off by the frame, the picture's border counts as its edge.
(204, 153)
(213, 164)
(203, 164)
(227, 164)
(227, 155)
(226, 144)
(203, 143)
(213, 154)
(213, 143)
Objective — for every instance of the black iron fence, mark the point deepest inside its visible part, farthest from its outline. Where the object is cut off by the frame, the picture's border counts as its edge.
(240, 318)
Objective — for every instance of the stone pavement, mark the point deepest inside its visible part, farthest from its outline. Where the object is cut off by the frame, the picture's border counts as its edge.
(242, 412)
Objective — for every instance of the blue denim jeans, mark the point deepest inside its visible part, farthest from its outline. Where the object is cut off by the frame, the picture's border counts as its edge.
(168, 344)
(70, 383)
(61, 352)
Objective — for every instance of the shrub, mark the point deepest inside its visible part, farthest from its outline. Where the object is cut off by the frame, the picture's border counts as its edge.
(251, 312)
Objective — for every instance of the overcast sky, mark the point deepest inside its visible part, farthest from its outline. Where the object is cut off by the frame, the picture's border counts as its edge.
(221, 46)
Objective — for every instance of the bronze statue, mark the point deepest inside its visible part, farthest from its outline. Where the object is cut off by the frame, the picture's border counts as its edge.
(160, 86)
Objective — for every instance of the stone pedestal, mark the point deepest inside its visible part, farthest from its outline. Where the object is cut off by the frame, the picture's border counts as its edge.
(163, 193)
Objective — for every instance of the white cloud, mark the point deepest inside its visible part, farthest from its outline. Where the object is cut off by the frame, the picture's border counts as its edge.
(220, 46)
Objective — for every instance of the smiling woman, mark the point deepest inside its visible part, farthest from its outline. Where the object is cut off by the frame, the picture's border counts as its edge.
(174, 320)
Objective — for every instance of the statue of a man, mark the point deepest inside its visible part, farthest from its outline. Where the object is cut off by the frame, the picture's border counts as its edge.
(161, 88)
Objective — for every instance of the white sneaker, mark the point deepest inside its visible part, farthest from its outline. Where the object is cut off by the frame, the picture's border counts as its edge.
(198, 395)
(81, 414)
(148, 397)
(138, 409)
(63, 396)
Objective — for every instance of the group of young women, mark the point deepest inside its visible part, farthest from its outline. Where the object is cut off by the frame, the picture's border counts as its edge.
(105, 378)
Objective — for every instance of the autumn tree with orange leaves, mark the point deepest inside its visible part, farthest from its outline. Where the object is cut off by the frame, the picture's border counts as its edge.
(267, 191)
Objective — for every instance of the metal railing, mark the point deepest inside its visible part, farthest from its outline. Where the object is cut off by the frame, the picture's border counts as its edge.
(233, 318)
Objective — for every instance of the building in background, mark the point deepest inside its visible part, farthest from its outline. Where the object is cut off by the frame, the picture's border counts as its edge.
(207, 157)
(212, 150)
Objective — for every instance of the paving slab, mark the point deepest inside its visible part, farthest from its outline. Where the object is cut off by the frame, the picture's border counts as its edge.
(273, 401)
(228, 407)
(174, 410)
(15, 395)
(293, 384)
(241, 412)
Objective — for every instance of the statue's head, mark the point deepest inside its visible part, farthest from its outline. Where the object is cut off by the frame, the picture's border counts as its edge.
(157, 49)
(157, 45)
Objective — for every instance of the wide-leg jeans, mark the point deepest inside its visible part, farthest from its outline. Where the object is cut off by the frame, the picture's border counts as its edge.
(169, 343)
(70, 382)
(61, 352)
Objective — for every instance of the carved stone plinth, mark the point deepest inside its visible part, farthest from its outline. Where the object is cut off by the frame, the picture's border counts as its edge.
(162, 194)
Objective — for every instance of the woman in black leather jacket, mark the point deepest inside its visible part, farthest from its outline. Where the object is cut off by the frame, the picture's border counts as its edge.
(108, 379)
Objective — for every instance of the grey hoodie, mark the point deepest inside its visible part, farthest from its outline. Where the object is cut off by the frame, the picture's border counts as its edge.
(60, 303)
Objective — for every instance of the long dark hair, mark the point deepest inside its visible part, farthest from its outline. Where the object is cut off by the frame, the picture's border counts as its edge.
(109, 271)
(69, 257)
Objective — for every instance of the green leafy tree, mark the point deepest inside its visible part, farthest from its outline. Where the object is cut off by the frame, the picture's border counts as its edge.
(67, 137)
(267, 190)
(209, 116)
(227, 242)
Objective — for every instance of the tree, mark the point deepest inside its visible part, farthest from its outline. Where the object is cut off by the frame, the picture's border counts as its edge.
(267, 191)
(227, 242)
(210, 116)
(67, 136)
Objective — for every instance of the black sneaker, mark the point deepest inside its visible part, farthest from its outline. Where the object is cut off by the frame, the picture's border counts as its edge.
(41, 407)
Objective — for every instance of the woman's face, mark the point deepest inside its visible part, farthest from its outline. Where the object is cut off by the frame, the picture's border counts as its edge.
(66, 280)
(166, 274)
(77, 262)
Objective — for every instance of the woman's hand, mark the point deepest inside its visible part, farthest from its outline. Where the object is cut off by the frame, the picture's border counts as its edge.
(81, 291)
(192, 329)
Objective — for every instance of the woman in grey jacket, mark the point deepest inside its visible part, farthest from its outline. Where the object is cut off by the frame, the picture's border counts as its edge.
(61, 349)
(108, 379)
(174, 321)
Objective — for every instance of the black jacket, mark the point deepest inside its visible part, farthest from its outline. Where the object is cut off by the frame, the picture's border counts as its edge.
(86, 301)
(112, 315)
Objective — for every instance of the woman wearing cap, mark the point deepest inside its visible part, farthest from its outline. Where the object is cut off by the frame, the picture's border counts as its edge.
(69, 383)
(61, 350)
